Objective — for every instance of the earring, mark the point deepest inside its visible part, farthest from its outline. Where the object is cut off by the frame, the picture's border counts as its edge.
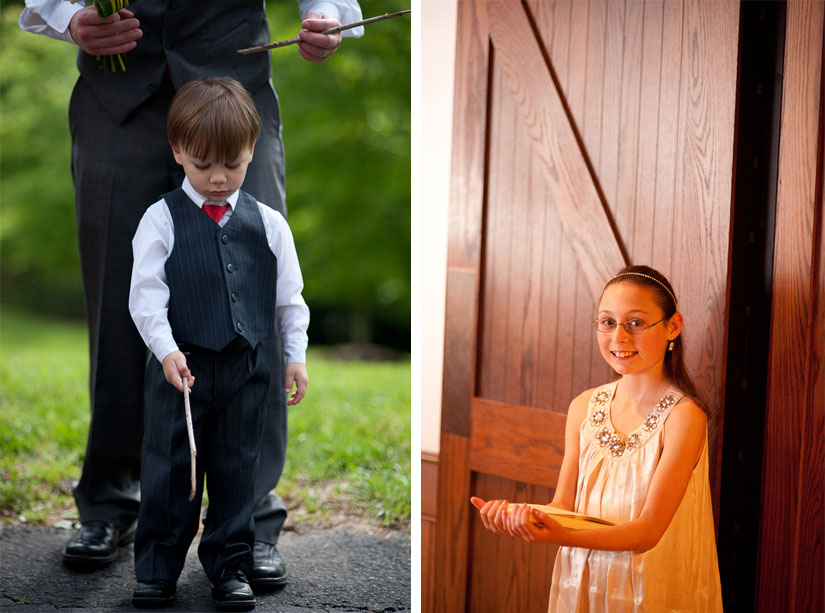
(670, 346)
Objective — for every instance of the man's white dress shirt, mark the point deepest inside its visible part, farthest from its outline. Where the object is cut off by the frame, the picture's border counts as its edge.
(52, 17)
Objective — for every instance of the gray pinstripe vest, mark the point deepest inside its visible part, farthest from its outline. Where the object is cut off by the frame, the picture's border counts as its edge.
(222, 281)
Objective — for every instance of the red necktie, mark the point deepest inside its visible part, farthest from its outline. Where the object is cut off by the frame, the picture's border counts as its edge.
(215, 211)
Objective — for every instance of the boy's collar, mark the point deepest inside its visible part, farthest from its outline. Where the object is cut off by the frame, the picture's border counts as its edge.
(200, 200)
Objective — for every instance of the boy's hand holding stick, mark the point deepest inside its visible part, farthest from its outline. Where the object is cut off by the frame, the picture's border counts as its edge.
(296, 40)
(193, 452)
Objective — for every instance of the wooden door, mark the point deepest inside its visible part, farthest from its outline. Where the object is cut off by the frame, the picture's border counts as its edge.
(587, 135)
(791, 566)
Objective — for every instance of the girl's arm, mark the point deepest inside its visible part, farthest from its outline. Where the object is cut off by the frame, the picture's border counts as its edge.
(565, 495)
(685, 437)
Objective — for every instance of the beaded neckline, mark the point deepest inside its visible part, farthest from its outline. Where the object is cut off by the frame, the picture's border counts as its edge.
(607, 438)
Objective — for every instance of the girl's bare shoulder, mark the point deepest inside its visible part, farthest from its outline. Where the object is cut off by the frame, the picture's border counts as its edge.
(686, 419)
(578, 406)
(688, 410)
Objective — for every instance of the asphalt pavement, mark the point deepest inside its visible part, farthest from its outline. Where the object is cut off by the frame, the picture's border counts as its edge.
(329, 570)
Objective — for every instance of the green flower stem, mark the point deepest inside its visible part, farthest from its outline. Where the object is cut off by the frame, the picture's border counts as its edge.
(111, 63)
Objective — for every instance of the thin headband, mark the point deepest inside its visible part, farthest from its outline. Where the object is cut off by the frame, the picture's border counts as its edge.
(641, 274)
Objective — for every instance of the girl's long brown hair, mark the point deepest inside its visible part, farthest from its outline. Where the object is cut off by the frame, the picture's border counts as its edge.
(675, 369)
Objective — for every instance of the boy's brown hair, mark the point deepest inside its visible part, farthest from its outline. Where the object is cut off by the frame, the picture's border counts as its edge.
(213, 120)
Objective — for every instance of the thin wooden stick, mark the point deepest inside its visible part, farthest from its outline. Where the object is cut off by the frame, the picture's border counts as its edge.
(193, 452)
(292, 41)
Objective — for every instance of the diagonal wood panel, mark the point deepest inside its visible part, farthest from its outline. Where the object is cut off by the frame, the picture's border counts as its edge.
(535, 343)
(554, 145)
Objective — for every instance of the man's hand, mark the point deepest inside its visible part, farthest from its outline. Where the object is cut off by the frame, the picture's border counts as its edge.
(115, 34)
(317, 47)
(175, 369)
(296, 372)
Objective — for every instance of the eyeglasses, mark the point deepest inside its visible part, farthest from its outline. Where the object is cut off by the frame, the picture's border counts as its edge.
(631, 326)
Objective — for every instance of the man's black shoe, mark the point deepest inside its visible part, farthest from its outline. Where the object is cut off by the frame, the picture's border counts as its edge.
(97, 543)
(269, 570)
(232, 591)
(153, 594)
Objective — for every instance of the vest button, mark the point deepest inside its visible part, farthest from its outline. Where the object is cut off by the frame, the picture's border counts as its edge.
(240, 326)
(235, 297)
(170, 45)
(225, 239)
(230, 268)
(173, 5)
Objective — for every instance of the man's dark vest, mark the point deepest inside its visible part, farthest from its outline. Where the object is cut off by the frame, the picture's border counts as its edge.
(193, 39)
(222, 281)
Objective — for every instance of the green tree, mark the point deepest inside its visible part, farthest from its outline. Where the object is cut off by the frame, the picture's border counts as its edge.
(38, 244)
(347, 139)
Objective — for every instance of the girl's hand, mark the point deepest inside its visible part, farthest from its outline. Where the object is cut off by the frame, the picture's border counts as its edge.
(493, 514)
(534, 526)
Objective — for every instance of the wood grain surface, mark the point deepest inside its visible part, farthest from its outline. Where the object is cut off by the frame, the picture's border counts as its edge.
(586, 135)
(497, 444)
(429, 513)
(508, 574)
(791, 541)
(452, 529)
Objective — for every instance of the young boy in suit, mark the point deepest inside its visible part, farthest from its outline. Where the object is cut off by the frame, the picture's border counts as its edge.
(214, 271)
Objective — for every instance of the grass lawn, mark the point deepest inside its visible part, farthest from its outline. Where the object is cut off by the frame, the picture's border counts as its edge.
(349, 447)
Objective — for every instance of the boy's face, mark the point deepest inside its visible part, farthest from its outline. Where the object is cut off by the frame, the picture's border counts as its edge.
(214, 181)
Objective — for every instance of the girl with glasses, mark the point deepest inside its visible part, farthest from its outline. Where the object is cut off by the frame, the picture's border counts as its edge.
(636, 454)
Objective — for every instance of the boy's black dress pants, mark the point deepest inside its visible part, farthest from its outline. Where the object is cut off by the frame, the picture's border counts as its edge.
(227, 403)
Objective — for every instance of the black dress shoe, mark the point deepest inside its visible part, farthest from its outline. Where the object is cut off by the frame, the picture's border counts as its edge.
(232, 591)
(153, 594)
(269, 570)
(96, 543)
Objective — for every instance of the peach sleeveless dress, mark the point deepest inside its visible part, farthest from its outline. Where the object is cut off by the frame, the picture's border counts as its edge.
(681, 572)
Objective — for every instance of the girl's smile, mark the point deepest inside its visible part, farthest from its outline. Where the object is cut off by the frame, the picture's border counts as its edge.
(622, 355)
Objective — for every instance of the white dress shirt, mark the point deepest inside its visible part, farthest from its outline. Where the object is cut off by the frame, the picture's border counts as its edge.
(52, 17)
(149, 294)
